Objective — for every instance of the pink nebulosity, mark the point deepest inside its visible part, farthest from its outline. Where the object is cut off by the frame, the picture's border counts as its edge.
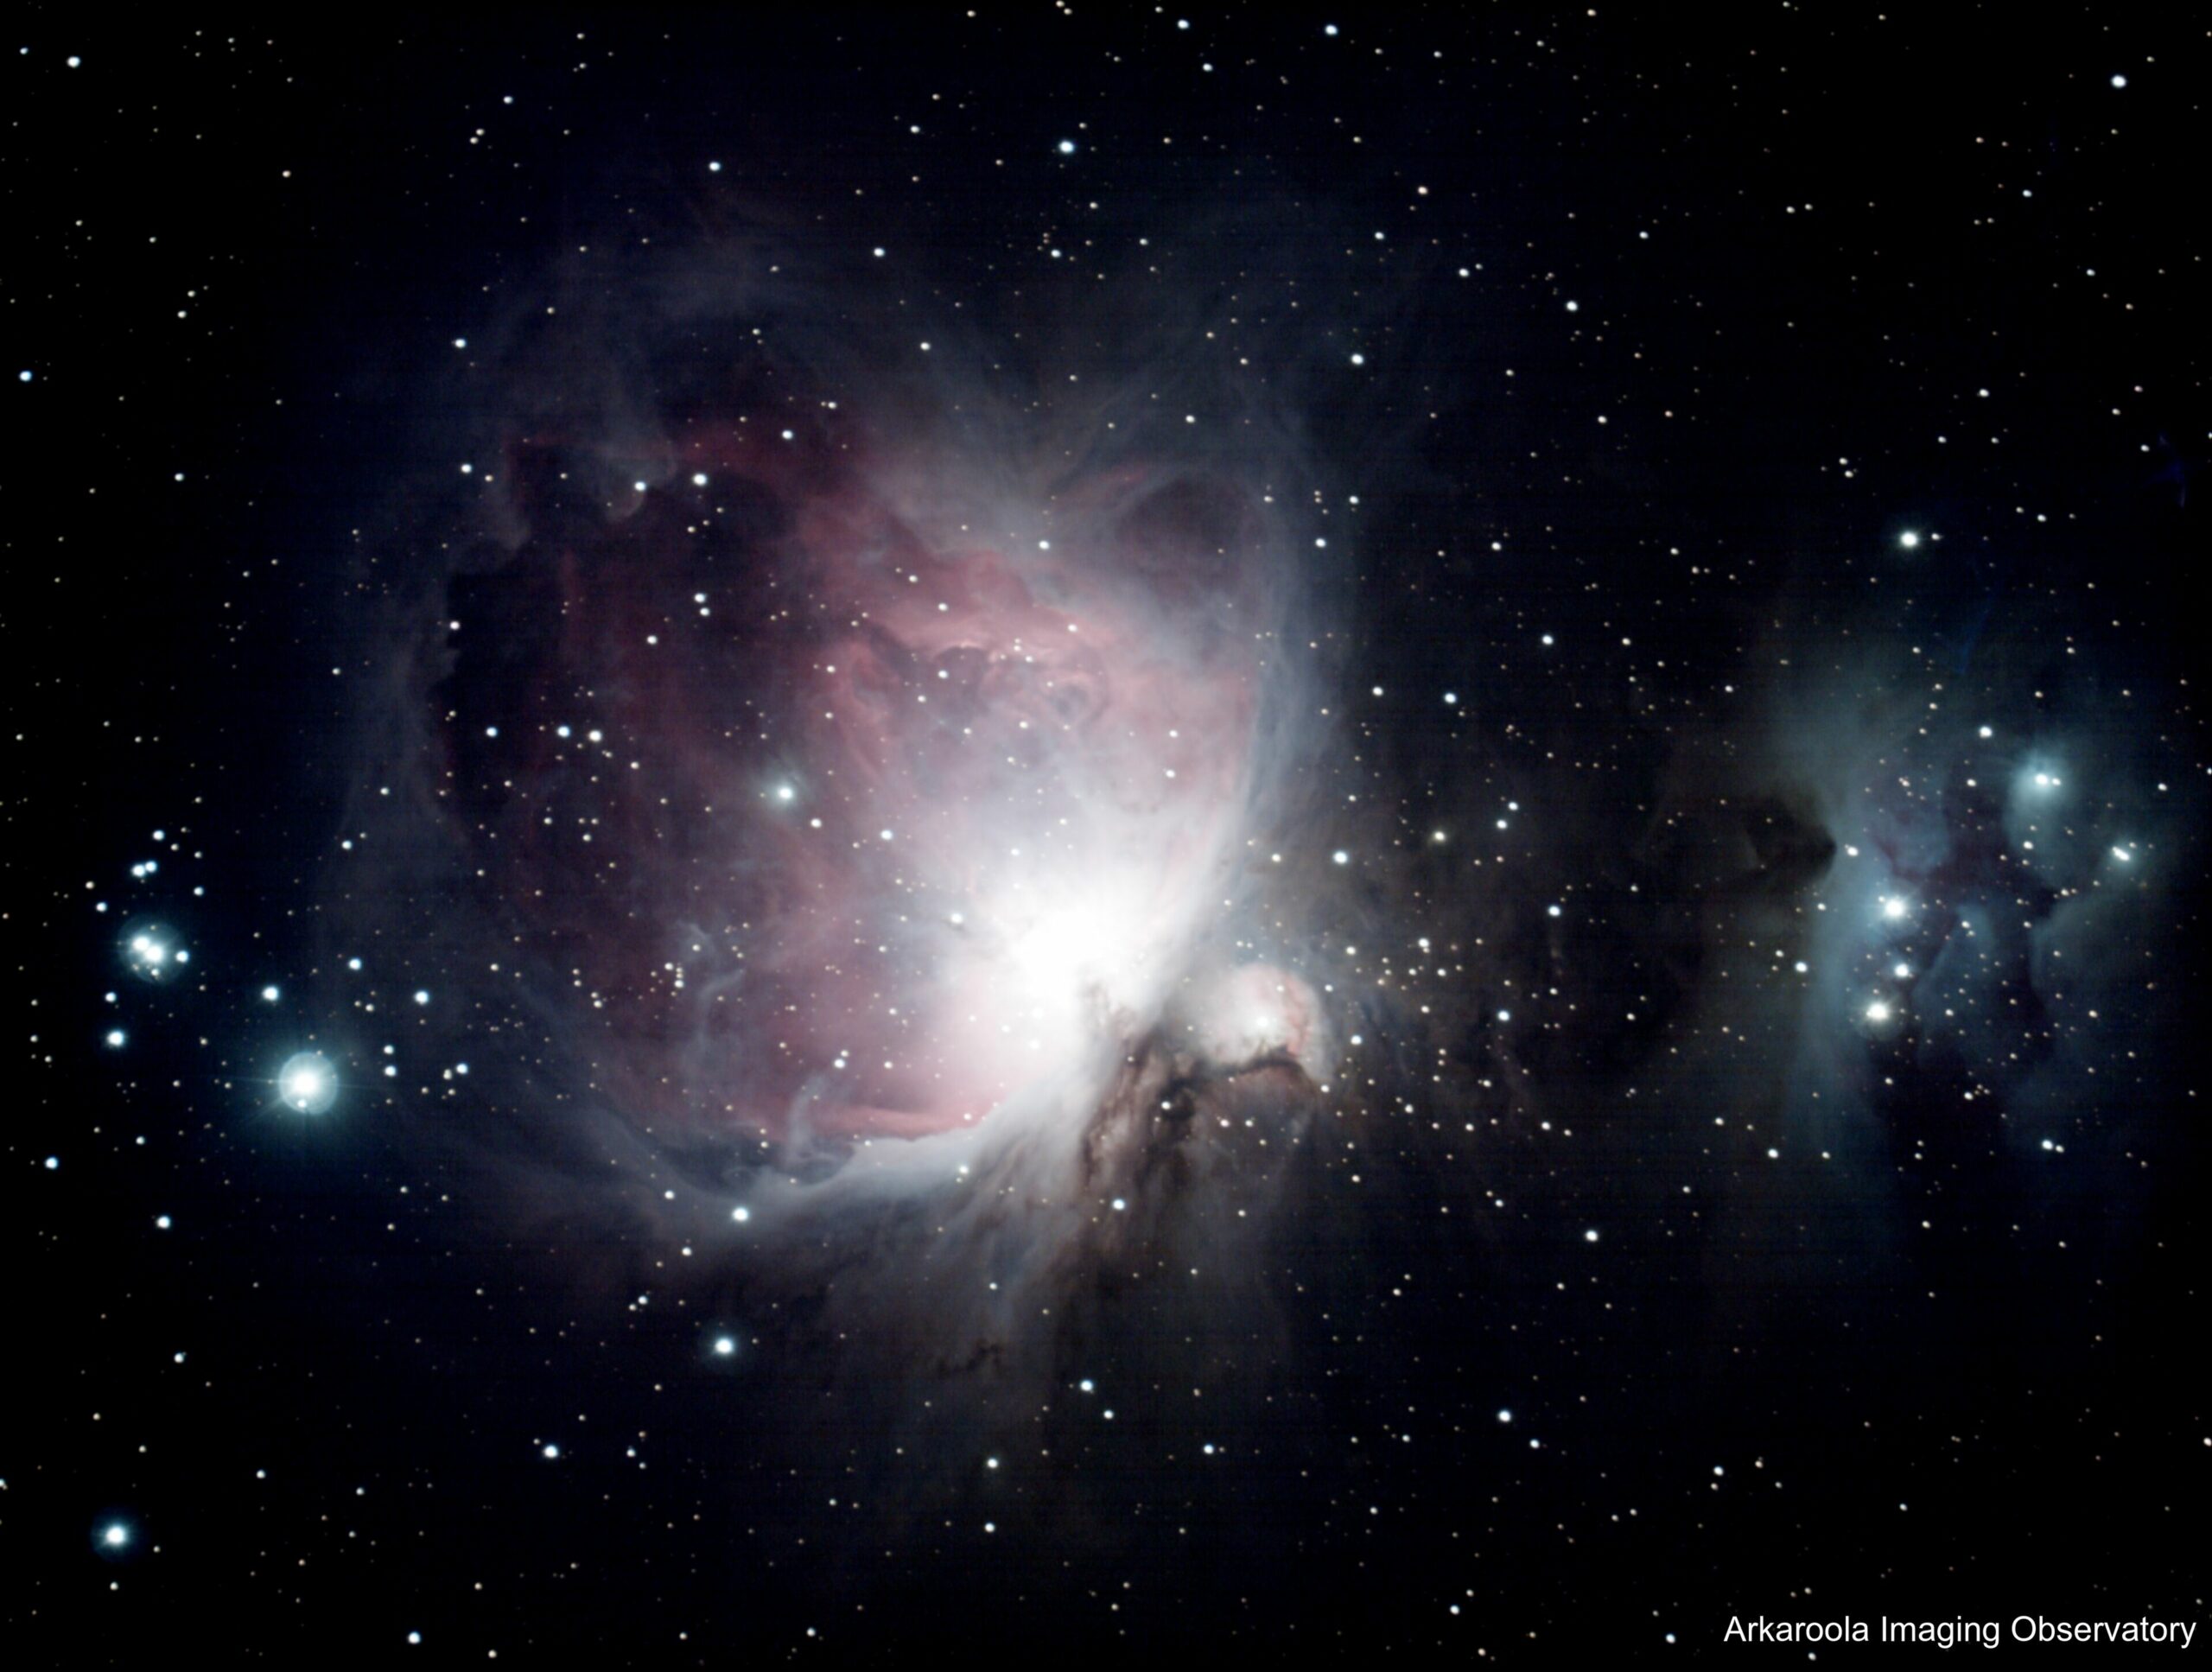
(1257, 1013)
(843, 797)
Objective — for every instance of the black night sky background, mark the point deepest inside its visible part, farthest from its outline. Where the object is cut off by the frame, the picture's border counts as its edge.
(1080, 829)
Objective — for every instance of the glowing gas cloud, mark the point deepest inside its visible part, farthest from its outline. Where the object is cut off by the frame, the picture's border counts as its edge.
(841, 755)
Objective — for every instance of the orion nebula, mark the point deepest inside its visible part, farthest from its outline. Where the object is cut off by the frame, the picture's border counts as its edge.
(867, 783)
(850, 832)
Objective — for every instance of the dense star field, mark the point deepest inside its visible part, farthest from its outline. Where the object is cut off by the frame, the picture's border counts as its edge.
(1093, 828)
